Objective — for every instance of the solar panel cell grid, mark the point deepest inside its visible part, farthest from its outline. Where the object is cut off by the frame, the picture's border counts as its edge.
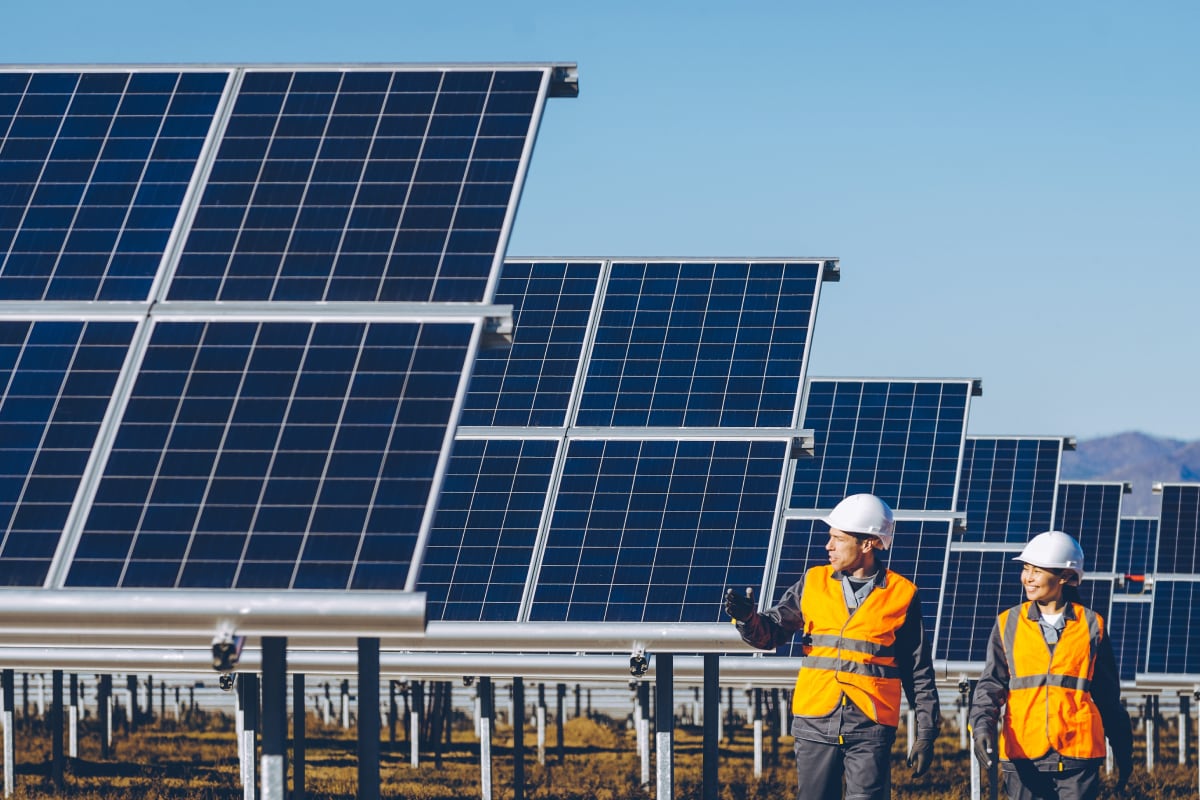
(1178, 543)
(696, 344)
(1135, 550)
(979, 585)
(900, 440)
(1174, 648)
(360, 186)
(1008, 488)
(1091, 512)
(653, 531)
(55, 383)
(530, 383)
(481, 545)
(1128, 631)
(274, 455)
(93, 170)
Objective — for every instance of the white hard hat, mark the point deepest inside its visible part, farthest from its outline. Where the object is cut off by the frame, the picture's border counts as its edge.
(863, 513)
(1055, 550)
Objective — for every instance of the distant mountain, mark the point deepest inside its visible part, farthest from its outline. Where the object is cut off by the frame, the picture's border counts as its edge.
(1137, 458)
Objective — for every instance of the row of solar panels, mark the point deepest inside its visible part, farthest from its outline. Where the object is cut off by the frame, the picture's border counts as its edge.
(242, 318)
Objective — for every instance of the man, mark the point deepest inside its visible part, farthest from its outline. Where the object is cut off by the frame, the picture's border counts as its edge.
(863, 642)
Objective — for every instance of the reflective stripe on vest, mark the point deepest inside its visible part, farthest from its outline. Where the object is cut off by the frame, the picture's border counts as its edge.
(851, 654)
(1049, 705)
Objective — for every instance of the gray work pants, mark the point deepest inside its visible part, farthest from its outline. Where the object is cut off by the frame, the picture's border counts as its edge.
(1023, 781)
(864, 766)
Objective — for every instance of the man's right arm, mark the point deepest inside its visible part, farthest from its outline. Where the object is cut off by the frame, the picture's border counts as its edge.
(774, 627)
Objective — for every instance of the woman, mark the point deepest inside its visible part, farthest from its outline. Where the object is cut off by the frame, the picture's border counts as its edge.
(1050, 667)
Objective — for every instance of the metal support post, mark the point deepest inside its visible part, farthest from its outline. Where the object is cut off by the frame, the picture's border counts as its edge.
(664, 724)
(712, 721)
(518, 729)
(274, 722)
(299, 746)
(368, 718)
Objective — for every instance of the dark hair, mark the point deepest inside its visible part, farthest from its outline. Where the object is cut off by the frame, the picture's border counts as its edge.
(1071, 594)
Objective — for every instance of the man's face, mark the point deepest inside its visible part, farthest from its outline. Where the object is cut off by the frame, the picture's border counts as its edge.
(847, 553)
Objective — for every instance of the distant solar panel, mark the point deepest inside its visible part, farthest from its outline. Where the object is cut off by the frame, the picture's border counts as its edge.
(1174, 647)
(1091, 512)
(654, 531)
(700, 344)
(918, 553)
(1008, 487)
(55, 382)
(899, 439)
(1179, 529)
(481, 545)
(531, 383)
(274, 455)
(364, 185)
(1096, 594)
(979, 585)
(1129, 631)
(1136, 546)
(94, 167)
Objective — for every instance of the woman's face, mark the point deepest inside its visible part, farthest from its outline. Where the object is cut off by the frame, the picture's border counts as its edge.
(1042, 585)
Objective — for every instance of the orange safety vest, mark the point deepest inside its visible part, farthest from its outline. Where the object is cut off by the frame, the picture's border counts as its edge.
(1050, 703)
(851, 654)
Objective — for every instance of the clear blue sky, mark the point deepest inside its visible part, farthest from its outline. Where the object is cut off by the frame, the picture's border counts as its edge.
(1013, 189)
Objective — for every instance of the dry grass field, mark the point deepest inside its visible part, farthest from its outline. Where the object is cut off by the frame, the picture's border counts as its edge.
(163, 761)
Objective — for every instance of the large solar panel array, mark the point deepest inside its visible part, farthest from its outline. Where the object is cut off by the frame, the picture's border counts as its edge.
(238, 307)
(661, 399)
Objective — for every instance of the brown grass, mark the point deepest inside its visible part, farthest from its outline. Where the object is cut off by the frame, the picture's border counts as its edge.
(198, 762)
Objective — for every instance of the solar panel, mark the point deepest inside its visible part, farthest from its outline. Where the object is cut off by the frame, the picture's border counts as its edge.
(654, 531)
(899, 439)
(274, 455)
(94, 167)
(700, 344)
(482, 541)
(1096, 594)
(304, 259)
(1179, 529)
(1136, 544)
(1091, 512)
(918, 552)
(366, 185)
(1129, 631)
(1174, 647)
(979, 585)
(55, 383)
(1008, 487)
(531, 382)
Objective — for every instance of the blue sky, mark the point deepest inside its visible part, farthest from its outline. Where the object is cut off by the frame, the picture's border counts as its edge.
(1013, 189)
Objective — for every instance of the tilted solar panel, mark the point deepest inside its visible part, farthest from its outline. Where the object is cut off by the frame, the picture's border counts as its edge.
(94, 167)
(1179, 529)
(531, 382)
(1129, 631)
(1173, 647)
(56, 378)
(1091, 512)
(1008, 487)
(365, 185)
(1136, 545)
(899, 439)
(979, 585)
(274, 455)
(477, 562)
(654, 531)
(688, 344)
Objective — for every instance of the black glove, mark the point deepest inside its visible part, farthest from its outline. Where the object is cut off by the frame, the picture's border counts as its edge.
(985, 747)
(1124, 769)
(740, 607)
(921, 756)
